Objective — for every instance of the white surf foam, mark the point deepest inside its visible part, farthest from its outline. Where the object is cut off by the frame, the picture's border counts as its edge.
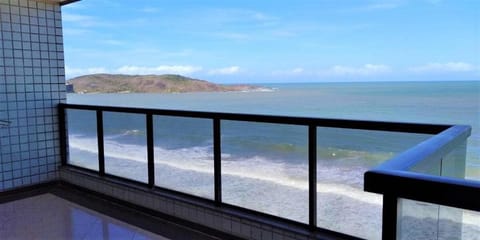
(334, 180)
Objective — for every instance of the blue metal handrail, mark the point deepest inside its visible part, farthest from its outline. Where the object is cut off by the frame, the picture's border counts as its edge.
(394, 179)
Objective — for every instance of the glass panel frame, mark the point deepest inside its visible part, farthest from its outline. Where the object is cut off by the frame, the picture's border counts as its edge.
(125, 145)
(184, 155)
(343, 157)
(421, 220)
(82, 137)
(265, 168)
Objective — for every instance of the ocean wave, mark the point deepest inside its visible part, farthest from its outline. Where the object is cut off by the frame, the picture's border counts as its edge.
(260, 89)
(124, 133)
(345, 181)
(263, 89)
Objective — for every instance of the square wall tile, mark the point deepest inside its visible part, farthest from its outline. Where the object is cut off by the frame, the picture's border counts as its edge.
(31, 43)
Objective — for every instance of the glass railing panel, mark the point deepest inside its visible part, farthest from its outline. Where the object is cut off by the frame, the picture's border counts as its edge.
(343, 156)
(416, 220)
(470, 225)
(82, 138)
(265, 168)
(454, 163)
(430, 166)
(125, 145)
(451, 164)
(420, 220)
(441, 221)
(184, 154)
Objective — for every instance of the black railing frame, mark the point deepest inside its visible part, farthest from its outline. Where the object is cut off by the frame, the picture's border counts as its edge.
(310, 123)
(100, 142)
(150, 150)
(217, 161)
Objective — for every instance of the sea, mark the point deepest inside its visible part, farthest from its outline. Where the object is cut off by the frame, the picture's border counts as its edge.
(265, 166)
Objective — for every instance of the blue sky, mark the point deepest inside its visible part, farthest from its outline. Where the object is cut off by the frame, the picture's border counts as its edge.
(276, 41)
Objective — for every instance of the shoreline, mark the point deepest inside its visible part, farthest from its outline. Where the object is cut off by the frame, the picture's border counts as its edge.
(261, 89)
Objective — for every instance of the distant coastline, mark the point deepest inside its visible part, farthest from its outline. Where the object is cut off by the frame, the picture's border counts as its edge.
(167, 83)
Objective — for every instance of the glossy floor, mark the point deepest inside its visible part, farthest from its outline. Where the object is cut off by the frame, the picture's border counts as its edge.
(47, 216)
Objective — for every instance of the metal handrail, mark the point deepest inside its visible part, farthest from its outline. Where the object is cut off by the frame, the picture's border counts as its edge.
(321, 122)
(433, 148)
(394, 179)
(447, 191)
(444, 136)
(391, 177)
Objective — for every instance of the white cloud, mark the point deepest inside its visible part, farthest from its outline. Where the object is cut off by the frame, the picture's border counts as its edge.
(290, 72)
(73, 72)
(162, 69)
(134, 70)
(187, 70)
(337, 71)
(297, 70)
(225, 71)
(365, 70)
(443, 67)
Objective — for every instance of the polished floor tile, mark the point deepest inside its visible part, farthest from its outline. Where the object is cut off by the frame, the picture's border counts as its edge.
(50, 217)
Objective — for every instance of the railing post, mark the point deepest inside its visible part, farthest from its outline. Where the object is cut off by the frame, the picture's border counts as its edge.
(389, 217)
(217, 157)
(100, 142)
(312, 176)
(150, 151)
(63, 134)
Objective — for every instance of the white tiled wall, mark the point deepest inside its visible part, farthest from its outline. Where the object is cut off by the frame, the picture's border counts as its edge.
(32, 83)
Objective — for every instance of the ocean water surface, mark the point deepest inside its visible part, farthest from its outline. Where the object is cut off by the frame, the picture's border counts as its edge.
(265, 166)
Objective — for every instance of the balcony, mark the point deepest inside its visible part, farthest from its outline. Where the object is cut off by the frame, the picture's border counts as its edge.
(202, 175)
(155, 153)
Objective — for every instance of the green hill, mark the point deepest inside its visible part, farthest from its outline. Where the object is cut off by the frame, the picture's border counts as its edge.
(168, 83)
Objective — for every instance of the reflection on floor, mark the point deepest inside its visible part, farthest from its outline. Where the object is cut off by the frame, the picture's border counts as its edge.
(47, 216)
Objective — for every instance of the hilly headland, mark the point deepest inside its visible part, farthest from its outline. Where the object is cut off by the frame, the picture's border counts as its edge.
(166, 83)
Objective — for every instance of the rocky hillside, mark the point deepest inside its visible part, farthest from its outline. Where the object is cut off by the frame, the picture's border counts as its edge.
(115, 83)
